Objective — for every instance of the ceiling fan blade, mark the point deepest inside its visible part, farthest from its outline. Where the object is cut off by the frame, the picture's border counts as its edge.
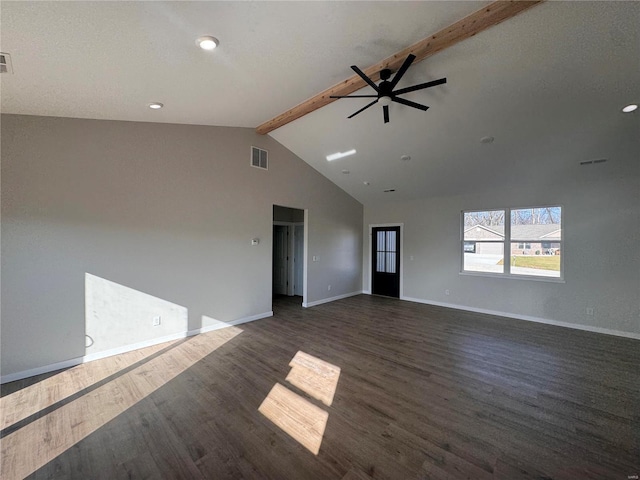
(403, 69)
(362, 109)
(385, 109)
(353, 96)
(364, 77)
(409, 103)
(433, 83)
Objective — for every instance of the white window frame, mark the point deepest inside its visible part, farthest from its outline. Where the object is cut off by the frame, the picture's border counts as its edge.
(507, 241)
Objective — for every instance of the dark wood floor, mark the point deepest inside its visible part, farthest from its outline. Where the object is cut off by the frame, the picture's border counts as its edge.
(423, 393)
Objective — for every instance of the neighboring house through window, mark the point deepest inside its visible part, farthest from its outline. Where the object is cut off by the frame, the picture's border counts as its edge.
(522, 241)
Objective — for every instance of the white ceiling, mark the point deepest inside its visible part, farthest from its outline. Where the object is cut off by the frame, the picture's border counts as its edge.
(548, 84)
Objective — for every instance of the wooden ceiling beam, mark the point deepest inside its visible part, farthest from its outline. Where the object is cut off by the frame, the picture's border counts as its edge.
(469, 26)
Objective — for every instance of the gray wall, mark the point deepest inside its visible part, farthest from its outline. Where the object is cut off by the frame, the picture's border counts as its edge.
(601, 248)
(156, 214)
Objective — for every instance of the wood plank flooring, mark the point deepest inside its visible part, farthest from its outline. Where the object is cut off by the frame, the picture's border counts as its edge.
(422, 392)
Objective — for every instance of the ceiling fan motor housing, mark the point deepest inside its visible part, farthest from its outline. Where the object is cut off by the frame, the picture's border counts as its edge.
(385, 89)
(385, 74)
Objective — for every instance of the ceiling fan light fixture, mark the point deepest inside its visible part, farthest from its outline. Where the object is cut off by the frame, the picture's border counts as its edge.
(630, 108)
(207, 42)
(385, 101)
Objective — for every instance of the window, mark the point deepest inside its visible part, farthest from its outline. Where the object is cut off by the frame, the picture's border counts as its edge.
(524, 242)
(386, 251)
(485, 231)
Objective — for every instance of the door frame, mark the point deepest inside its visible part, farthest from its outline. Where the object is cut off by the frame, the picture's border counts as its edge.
(370, 256)
(300, 260)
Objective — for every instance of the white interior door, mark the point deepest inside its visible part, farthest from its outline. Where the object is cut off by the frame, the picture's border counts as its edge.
(280, 256)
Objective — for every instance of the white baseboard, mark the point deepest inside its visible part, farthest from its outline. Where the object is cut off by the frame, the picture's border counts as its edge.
(231, 323)
(132, 346)
(528, 318)
(366, 292)
(331, 299)
(32, 372)
(12, 377)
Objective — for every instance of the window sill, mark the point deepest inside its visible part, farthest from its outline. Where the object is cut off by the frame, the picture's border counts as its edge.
(513, 277)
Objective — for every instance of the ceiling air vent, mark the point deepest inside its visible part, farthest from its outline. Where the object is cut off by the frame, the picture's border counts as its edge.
(5, 63)
(259, 158)
(591, 162)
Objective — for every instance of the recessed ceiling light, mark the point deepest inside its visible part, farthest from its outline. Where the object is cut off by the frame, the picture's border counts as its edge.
(366, 183)
(487, 139)
(405, 158)
(336, 156)
(207, 42)
(156, 105)
(630, 108)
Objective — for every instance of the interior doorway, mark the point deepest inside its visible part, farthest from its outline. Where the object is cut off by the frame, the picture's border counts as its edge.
(288, 252)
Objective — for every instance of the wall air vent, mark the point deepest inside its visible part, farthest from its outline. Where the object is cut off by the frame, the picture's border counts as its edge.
(259, 158)
(5, 63)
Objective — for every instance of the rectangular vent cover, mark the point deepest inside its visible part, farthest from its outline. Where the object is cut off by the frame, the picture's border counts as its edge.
(591, 162)
(5, 63)
(259, 158)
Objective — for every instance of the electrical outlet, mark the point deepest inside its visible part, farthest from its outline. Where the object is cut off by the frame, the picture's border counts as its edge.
(157, 320)
(446, 292)
(589, 310)
(328, 287)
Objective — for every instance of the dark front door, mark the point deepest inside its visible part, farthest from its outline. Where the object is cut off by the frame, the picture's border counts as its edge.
(386, 261)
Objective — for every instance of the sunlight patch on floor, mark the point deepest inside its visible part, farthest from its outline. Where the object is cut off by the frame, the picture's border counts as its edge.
(34, 398)
(314, 376)
(37, 443)
(298, 417)
(295, 415)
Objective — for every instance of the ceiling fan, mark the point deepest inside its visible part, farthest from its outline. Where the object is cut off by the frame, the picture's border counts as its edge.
(386, 94)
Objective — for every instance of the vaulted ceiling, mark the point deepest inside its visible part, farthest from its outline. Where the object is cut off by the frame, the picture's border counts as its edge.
(548, 84)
